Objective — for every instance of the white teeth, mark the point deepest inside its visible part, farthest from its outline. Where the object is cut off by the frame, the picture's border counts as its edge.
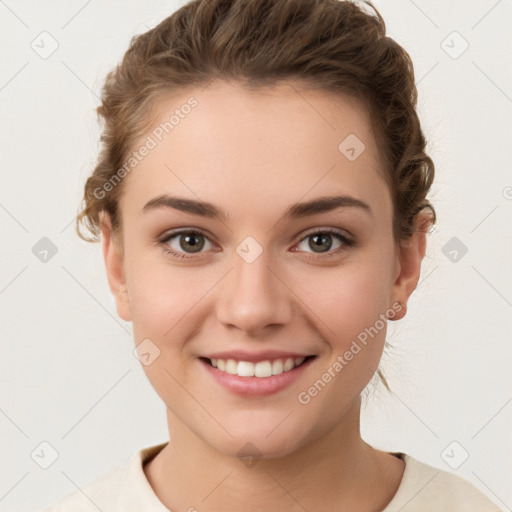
(231, 366)
(288, 364)
(245, 369)
(277, 367)
(263, 369)
(259, 369)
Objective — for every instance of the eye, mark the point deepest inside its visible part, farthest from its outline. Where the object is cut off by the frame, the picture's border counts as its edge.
(322, 240)
(187, 242)
(181, 243)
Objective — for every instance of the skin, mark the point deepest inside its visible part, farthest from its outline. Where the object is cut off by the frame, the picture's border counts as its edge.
(253, 155)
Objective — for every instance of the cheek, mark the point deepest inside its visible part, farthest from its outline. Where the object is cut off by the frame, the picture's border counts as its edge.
(164, 304)
(346, 299)
(161, 295)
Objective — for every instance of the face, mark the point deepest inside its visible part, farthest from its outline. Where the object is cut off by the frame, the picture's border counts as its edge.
(263, 280)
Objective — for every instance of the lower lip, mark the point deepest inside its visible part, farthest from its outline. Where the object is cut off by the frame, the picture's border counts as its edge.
(256, 386)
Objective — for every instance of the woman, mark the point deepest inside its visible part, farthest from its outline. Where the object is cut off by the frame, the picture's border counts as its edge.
(261, 197)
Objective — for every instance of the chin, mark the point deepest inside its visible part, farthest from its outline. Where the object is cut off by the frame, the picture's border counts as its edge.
(270, 440)
(254, 448)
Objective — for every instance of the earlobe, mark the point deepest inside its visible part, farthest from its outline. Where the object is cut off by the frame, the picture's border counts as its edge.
(114, 266)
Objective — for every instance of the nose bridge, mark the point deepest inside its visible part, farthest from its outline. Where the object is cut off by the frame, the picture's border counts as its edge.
(253, 296)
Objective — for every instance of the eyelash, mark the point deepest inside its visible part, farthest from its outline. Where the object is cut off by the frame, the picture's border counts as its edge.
(347, 243)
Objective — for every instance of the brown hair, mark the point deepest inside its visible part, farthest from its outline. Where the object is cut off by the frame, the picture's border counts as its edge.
(330, 45)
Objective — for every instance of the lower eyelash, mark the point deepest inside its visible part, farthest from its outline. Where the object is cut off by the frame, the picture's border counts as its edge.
(175, 254)
(346, 244)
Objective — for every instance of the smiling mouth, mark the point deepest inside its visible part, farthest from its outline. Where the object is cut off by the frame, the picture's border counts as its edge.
(261, 369)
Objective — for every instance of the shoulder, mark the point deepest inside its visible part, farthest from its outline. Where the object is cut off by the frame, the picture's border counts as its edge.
(123, 487)
(99, 494)
(426, 488)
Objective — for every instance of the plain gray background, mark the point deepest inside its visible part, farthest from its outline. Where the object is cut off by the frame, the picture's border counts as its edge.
(68, 375)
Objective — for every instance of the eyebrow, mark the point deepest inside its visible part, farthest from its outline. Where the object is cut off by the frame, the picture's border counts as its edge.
(298, 210)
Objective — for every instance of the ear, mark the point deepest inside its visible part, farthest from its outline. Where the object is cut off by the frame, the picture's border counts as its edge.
(408, 265)
(114, 264)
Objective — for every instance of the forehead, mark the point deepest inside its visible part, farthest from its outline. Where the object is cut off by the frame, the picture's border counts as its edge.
(255, 145)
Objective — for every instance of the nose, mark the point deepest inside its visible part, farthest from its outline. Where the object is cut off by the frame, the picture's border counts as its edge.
(254, 297)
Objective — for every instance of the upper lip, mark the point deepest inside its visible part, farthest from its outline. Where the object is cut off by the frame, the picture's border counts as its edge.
(254, 357)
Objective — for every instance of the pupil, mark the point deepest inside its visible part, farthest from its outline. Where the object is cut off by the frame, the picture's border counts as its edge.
(191, 240)
(323, 239)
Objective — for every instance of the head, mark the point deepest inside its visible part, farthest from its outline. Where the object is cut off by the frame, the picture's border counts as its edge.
(253, 107)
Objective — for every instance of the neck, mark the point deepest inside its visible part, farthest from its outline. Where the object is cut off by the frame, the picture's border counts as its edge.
(336, 470)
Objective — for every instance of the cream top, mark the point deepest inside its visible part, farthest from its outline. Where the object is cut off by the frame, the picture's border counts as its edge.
(126, 489)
